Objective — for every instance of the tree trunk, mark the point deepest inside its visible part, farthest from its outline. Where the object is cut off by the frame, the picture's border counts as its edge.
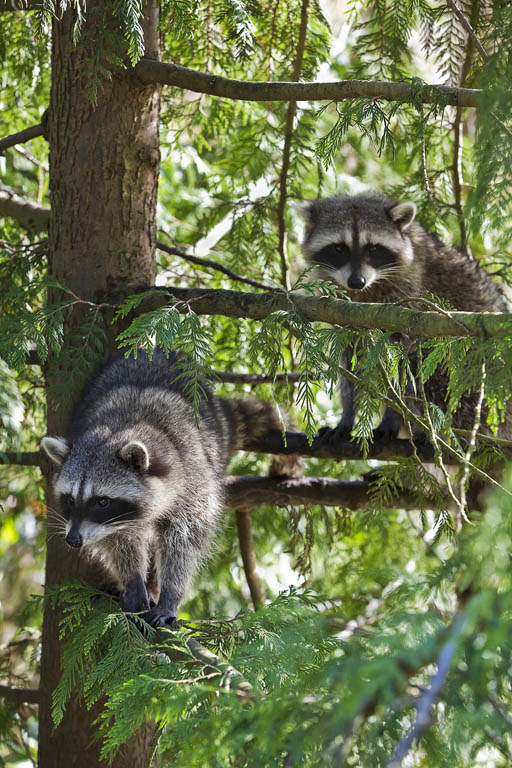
(104, 162)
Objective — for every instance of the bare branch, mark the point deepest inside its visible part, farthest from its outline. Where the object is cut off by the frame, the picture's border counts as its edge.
(33, 217)
(212, 265)
(288, 134)
(22, 136)
(246, 544)
(254, 378)
(19, 695)
(427, 699)
(150, 71)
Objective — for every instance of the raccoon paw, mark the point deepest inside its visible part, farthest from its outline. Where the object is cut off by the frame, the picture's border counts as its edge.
(333, 437)
(389, 427)
(160, 617)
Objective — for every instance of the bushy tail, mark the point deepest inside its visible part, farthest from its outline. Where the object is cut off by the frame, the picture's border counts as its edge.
(253, 418)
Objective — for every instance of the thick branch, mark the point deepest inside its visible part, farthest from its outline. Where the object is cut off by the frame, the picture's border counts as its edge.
(19, 695)
(336, 312)
(283, 492)
(22, 458)
(22, 136)
(33, 217)
(150, 71)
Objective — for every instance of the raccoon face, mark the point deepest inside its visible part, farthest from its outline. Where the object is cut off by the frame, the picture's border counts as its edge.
(357, 241)
(102, 488)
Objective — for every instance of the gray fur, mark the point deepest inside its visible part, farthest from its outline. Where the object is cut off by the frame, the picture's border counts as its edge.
(420, 263)
(133, 443)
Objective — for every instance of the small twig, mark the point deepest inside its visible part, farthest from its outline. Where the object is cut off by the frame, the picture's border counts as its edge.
(255, 378)
(246, 544)
(426, 700)
(212, 265)
(288, 135)
(469, 29)
(472, 440)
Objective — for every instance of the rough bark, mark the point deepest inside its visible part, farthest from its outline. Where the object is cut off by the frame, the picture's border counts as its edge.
(104, 160)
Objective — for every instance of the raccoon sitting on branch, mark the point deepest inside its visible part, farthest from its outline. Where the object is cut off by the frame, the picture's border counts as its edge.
(139, 483)
(373, 248)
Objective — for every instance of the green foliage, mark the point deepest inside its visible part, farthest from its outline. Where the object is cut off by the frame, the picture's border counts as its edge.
(298, 680)
(333, 680)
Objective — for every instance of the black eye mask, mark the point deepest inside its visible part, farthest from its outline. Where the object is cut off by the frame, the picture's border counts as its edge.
(334, 255)
(379, 256)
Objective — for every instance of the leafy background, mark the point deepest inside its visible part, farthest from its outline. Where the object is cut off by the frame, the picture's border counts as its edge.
(361, 603)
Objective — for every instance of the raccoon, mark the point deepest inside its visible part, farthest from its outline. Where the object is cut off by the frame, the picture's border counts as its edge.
(374, 249)
(140, 484)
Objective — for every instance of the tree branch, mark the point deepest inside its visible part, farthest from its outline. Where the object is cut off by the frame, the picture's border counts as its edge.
(246, 544)
(150, 71)
(22, 136)
(388, 317)
(426, 701)
(469, 29)
(284, 492)
(254, 378)
(212, 265)
(33, 217)
(19, 695)
(288, 134)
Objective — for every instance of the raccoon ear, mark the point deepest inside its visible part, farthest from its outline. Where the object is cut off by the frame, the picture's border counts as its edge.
(403, 214)
(305, 210)
(56, 448)
(136, 455)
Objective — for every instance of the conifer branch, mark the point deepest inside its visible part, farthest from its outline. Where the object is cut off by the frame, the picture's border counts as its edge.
(389, 317)
(467, 26)
(19, 695)
(246, 544)
(22, 136)
(150, 71)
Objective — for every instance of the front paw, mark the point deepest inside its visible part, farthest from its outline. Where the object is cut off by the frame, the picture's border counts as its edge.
(335, 436)
(160, 617)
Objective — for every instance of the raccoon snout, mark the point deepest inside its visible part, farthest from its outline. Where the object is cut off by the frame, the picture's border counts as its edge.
(356, 282)
(74, 539)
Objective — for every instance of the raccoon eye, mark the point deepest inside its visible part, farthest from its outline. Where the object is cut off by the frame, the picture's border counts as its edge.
(103, 501)
(379, 255)
(67, 499)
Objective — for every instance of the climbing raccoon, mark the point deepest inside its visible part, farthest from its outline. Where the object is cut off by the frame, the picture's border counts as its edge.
(140, 483)
(376, 251)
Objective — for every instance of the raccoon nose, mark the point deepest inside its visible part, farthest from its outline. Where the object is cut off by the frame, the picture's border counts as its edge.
(74, 539)
(356, 282)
